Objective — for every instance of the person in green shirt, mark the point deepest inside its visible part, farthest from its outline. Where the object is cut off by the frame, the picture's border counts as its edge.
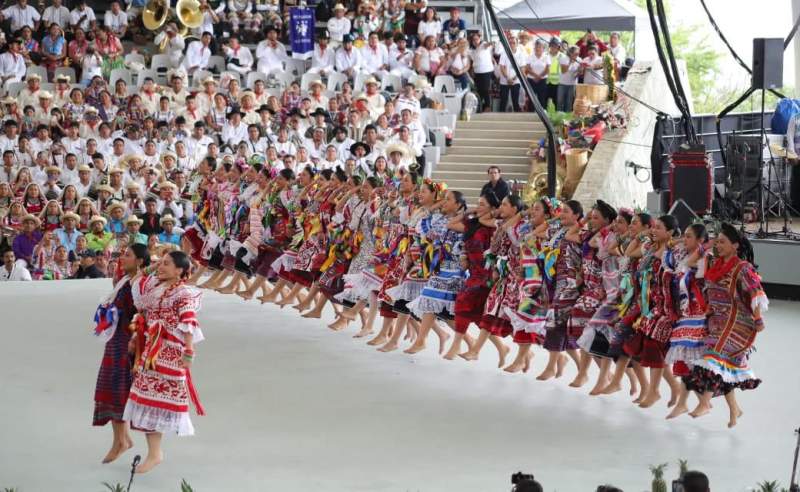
(99, 239)
(134, 236)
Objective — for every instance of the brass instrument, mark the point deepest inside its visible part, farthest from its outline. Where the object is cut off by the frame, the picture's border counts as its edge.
(155, 14)
(189, 14)
(537, 188)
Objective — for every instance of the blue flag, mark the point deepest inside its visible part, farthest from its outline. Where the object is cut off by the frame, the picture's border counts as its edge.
(301, 32)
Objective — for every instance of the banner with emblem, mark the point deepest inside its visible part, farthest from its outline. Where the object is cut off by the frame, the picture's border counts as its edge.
(301, 32)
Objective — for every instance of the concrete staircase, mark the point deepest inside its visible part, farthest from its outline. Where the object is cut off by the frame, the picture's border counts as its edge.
(499, 139)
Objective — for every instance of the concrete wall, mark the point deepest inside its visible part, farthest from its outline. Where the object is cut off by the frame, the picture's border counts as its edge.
(607, 175)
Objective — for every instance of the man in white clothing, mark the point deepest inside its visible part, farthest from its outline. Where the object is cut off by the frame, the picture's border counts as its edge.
(348, 60)
(338, 25)
(83, 16)
(270, 52)
(175, 43)
(375, 57)
(198, 54)
(21, 14)
(401, 59)
(56, 14)
(12, 269)
(234, 131)
(324, 58)
(12, 63)
(117, 20)
(238, 57)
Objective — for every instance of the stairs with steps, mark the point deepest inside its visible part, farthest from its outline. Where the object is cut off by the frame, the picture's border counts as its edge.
(488, 139)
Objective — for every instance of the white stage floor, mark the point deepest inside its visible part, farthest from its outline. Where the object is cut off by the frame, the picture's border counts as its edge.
(294, 406)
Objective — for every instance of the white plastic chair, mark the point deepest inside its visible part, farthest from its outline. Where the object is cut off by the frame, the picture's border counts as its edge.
(216, 64)
(120, 73)
(307, 78)
(14, 88)
(199, 76)
(393, 81)
(335, 80)
(358, 83)
(134, 58)
(68, 71)
(253, 76)
(444, 83)
(295, 66)
(285, 78)
(47, 86)
(232, 75)
(36, 69)
(143, 74)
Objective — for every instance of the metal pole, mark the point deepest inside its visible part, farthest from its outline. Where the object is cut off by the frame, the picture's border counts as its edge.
(548, 125)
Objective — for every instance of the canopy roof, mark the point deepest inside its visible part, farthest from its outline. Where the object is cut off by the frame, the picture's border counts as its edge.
(570, 15)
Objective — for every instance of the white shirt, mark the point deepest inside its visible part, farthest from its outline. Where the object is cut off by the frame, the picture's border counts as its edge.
(18, 273)
(411, 103)
(519, 56)
(174, 47)
(8, 143)
(21, 17)
(57, 15)
(538, 65)
(323, 60)
(77, 146)
(197, 55)
(373, 59)
(76, 15)
(618, 52)
(595, 73)
(115, 21)
(175, 207)
(232, 135)
(337, 28)
(399, 60)
(345, 60)
(432, 28)
(270, 58)
(242, 55)
(482, 61)
(570, 77)
(12, 66)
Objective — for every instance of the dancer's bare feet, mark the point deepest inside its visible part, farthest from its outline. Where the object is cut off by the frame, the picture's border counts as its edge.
(677, 411)
(610, 389)
(514, 367)
(650, 400)
(700, 410)
(502, 352)
(246, 295)
(302, 305)
(340, 324)
(469, 355)
(414, 349)
(674, 392)
(150, 462)
(364, 332)
(315, 314)
(735, 414)
(388, 347)
(561, 365)
(378, 340)
(443, 338)
(117, 449)
(579, 381)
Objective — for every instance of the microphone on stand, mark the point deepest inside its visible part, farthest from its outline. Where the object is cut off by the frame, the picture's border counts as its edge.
(136, 460)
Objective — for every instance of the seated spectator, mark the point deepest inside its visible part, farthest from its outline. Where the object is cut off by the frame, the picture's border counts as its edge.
(98, 239)
(454, 28)
(429, 59)
(496, 184)
(338, 25)
(68, 233)
(169, 234)
(27, 239)
(12, 269)
(88, 266)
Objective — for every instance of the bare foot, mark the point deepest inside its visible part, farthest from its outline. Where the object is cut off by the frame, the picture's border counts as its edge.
(450, 355)
(389, 347)
(735, 414)
(514, 367)
(443, 338)
(598, 388)
(548, 373)
(561, 365)
(650, 400)
(364, 332)
(579, 381)
(339, 325)
(634, 387)
(503, 351)
(700, 410)
(673, 396)
(312, 314)
(117, 450)
(611, 389)
(527, 365)
(267, 298)
(677, 411)
(245, 295)
(473, 356)
(302, 306)
(378, 340)
(149, 463)
(416, 348)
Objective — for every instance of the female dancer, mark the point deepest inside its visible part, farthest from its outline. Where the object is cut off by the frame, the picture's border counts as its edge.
(654, 326)
(736, 302)
(593, 288)
(165, 338)
(686, 343)
(565, 255)
(443, 249)
(504, 258)
(413, 277)
(629, 307)
(529, 317)
(478, 231)
(114, 379)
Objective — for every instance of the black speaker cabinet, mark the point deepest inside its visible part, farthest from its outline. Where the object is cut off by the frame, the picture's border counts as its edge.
(691, 180)
(767, 63)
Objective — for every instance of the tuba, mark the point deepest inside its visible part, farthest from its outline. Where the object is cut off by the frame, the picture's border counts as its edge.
(189, 13)
(537, 188)
(155, 14)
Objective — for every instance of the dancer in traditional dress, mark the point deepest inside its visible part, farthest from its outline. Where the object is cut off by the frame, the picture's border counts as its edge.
(565, 255)
(478, 229)
(687, 341)
(167, 330)
(114, 379)
(442, 257)
(593, 288)
(736, 301)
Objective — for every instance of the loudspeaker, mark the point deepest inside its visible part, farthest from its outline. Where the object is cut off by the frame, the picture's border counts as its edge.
(691, 179)
(767, 63)
(683, 213)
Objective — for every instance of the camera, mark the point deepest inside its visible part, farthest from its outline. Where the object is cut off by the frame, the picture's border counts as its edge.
(518, 477)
